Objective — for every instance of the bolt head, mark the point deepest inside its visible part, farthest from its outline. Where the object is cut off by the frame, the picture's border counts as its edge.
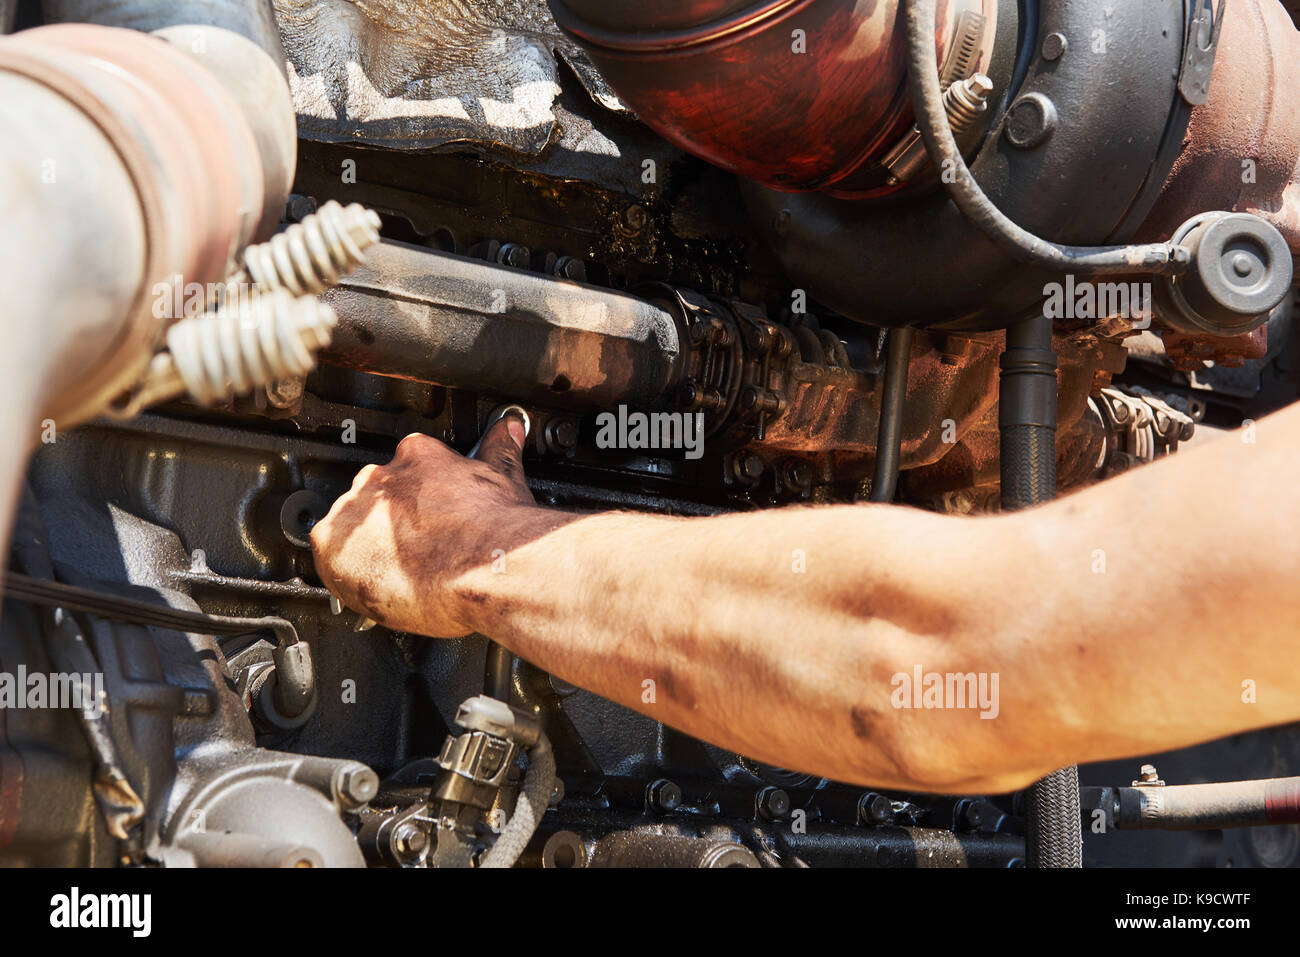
(875, 809)
(1031, 121)
(773, 803)
(665, 796)
(410, 840)
(1054, 46)
(358, 785)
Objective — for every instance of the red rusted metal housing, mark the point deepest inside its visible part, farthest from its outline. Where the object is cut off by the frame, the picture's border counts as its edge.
(800, 95)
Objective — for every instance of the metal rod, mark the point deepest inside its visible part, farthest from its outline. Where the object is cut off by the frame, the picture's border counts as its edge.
(889, 447)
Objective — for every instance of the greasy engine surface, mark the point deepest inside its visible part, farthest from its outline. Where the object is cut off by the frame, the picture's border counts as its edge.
(482, 131)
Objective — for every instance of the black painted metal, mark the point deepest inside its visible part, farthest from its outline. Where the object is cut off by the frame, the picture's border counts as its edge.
(884, 484)
(1052, 189)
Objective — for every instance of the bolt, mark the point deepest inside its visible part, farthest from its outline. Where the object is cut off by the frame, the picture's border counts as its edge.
(874, 809)
(409, 840)
(1149, 774)
(1054, 46)
(561, 434)
(966, 101)
(299, 207)
(285, 393)
(634, 217)
(663, 796)
(357, 785)
(747, 467)
(567, 267)
(513, 254)
(773, 803)
(798, 473)
(1031, 121)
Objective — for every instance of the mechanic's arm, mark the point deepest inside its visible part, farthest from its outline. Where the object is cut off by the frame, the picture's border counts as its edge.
(1121, 621)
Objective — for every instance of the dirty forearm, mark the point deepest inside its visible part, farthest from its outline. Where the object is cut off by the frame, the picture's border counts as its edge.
(777, 634)
(1113, 628)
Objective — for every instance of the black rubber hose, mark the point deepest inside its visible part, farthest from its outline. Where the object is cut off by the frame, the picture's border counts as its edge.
(1027, 415)
(932, 122)
(889, 445)
(498, 672)
(1027, 423)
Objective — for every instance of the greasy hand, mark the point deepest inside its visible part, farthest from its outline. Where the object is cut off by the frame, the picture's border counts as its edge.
(393, 547)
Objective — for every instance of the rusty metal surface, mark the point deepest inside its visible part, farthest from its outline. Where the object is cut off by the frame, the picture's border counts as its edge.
(1188, 352)
(830, 409)
(964, 476)
(799, 95)
(1241, 147)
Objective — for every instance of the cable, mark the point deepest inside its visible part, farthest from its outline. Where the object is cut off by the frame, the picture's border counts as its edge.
(932, 122)
(534, 798)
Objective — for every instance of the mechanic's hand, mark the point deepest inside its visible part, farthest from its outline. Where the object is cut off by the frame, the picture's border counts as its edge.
(393, 546)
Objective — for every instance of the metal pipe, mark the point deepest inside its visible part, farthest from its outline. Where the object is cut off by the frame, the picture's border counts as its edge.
(1201, 807)
(412, 313)
(238, 42)
(889, 447)
(1027, 422)
(125, 163)
(699, 72)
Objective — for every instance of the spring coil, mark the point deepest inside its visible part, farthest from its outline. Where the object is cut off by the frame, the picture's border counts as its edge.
(965, 100)
(249, 344)
(311, 256)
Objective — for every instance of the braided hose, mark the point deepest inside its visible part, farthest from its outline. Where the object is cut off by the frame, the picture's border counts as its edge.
(1053, 837)
(312, 256)
(534, 798)
(249, 345)
(1027, 419)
